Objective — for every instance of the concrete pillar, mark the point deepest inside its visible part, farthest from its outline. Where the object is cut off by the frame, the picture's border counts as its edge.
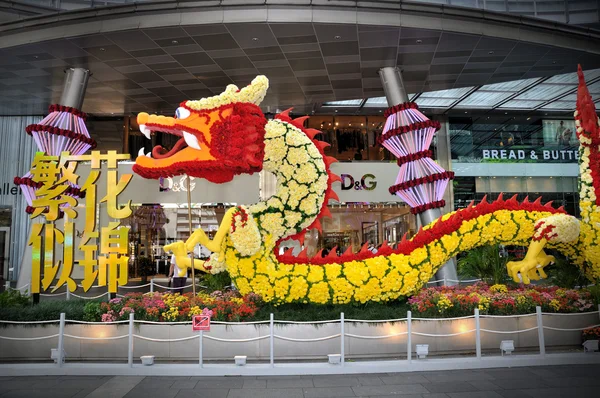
(444, 159)
(395, 93)
(76, 80)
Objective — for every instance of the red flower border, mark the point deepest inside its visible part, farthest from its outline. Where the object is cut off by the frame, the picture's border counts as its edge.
(28, 181)
(408, 128)
(422, 180)
(428, 206)
(400, 107)
(62, 132)
(414, 156)
(72, 111)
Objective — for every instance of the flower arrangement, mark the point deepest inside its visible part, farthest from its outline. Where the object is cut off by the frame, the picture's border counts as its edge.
(169, 307)
(498, 299)
(591, 334)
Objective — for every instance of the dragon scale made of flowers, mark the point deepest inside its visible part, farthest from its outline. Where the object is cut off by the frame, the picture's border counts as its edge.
(228, 134)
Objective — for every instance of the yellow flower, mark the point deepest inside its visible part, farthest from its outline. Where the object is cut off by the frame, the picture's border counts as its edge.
(498, 288)
(377, 266)
(319, 293)
(315, 274)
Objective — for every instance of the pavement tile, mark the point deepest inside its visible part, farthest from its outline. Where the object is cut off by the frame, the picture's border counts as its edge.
(484, 385)
(207, 393)
(370, 381)
(459, 375)
(325, 392)
(336, 381)
(573, 381)
(284, 377)
(514, 393)
(159, 382)
(83, 393)
(447, 387)
(255, 384)
(266, 393)
(544, 372)
(475, 394)
(289, 383)
(520, 384)
(219, 382)
(41, 393)
(389, 390)
(406, 378)
(512, 373)
(151, 392)
(567, 392)
(184, 385)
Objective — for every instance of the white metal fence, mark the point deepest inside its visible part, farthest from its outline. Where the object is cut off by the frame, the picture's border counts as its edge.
(272, 336)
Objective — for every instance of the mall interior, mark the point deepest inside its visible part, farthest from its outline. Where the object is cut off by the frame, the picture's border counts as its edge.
(500, 77)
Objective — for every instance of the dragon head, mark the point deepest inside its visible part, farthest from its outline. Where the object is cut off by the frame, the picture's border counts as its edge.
(220, 136)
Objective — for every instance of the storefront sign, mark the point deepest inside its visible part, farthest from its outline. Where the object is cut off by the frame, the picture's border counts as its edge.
(177, 185)
(365, 181)
(56, 197)
(9, 189)
(531, 154)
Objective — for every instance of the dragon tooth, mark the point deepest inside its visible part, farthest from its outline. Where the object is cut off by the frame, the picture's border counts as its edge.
(144, 130)
(191, 140)
(149, 154)
(141, 152)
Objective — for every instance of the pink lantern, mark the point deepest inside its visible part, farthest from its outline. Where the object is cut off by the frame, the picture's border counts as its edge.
(407, 134)
(62, 130)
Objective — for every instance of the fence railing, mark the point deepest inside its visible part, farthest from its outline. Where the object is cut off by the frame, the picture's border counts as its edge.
(272, 336)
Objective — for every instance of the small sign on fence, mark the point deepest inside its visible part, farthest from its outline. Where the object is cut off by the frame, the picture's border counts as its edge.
(201, 323)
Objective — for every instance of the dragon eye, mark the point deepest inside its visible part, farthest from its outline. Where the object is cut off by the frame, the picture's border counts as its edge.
(182, 113)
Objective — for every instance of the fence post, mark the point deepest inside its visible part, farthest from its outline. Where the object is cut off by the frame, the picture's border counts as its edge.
(130, 346)
(68, 292)
(540, 325)
(61, 338)
(7, 286)
(271, 340)
(477, 334)
(342, 340)
(408, 336)
(444, 282)
(200, 359)
(152, 285)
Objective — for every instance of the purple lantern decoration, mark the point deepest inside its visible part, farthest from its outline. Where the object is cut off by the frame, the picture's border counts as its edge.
(407, 134)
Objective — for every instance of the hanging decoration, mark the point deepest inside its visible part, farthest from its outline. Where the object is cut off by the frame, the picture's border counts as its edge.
(407, 134)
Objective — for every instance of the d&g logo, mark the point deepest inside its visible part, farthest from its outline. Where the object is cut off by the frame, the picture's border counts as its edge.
(367, 182)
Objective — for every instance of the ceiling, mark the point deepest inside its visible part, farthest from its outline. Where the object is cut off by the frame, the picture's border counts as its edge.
(545, 94)
(153, 70)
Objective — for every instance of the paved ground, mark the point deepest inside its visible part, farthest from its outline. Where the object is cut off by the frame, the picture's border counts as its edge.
(542, 382)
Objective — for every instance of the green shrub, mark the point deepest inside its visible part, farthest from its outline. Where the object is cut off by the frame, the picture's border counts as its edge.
(13, 298)
(563, 273)
(92, 312)
(484, 263)
(45, 311)
(216, 282)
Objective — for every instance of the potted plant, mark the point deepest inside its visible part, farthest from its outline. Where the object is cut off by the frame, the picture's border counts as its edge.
(146, 268)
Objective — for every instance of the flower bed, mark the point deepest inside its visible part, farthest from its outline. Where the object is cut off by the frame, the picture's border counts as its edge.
(449, 301)
(591, 334)
(175, 307)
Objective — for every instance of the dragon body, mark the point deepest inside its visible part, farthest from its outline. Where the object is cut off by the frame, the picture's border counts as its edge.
(246, 243)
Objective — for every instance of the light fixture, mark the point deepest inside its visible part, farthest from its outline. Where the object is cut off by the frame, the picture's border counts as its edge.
(350, 124)
(529, 118)
(334, 359)
(419, 41)
(54, 355)
(147, 360)
(240, 360)
(507, 346)
(337, 37)
(550, 176)
(102, 49)
(590, 346)
(174, 42)
(336, 123)
(362, 124)
(336, 111)
(255, 39)
(490, 52)
(422, 350)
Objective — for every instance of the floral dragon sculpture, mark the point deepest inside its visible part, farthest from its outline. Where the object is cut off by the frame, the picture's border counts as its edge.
(228, 134)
